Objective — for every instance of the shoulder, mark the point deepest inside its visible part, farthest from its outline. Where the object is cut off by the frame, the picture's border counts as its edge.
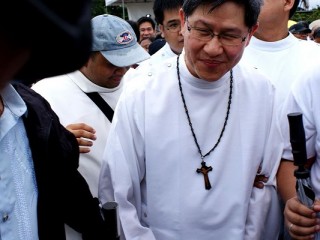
(51, 84)
(29, 95)
(151, 77)
(309, 78)
(252, 75)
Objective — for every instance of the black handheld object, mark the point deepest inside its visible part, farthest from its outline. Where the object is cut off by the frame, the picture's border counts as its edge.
(298, 144)
(297, 139)
(110, 214)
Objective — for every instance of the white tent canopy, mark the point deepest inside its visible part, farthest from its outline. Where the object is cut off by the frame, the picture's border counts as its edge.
(136, 8)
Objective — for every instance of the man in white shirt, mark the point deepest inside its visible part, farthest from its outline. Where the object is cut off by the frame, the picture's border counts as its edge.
(183, 150)
(283, 58)
(302, 221)
(275, 51)
(167, 16)
(114, 49)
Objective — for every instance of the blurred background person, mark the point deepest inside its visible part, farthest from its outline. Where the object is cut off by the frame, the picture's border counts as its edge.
(300, 30)
(316, 35)
(167, 17)
(135, 28)
(145, 43)
(156, 45)
(147, 27)
(313, 26)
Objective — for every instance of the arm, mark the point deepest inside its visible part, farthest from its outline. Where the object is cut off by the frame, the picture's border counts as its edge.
(299, 219)
(286, 180)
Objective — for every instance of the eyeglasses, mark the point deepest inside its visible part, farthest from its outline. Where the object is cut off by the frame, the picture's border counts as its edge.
(204, 34)
(173, 27)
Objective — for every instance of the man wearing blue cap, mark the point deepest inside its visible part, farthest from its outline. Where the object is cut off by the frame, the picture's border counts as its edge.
(114, 50)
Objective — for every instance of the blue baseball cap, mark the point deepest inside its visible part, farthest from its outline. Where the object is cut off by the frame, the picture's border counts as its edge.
(116, 41)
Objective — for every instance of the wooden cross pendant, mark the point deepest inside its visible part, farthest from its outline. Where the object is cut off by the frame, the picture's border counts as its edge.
(205, 170)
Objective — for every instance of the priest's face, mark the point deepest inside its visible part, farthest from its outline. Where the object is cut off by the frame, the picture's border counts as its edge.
(207, 55)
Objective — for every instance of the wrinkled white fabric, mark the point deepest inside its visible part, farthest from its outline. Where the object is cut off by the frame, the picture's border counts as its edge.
(151, 159)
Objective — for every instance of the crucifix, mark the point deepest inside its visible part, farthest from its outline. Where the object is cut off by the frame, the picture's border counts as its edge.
(205, 170)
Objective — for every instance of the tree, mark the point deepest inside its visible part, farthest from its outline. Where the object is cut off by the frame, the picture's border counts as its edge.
(308, 16)
(98, 8)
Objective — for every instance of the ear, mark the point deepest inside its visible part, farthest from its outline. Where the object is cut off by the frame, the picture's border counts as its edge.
(253, 29)
(162, 31)
(182, 20)
(288, 4)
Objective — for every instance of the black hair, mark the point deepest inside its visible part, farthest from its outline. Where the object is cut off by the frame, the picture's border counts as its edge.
(294, 8)
(252, 8)
(59, 37)
(135, 28)
(159, 6)
(146, 19)
(156, 45)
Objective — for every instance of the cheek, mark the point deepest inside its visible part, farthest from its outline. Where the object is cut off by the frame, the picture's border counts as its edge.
(234, 55)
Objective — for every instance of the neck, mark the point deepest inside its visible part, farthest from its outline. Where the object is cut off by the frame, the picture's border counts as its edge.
(271, 34)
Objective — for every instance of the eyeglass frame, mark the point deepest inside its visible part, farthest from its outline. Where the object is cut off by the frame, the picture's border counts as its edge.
(175, 30)
(219, 36)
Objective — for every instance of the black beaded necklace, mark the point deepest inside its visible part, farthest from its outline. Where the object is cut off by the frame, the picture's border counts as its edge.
(205, 169)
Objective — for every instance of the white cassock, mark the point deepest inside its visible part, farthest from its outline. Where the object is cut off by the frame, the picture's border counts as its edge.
(304, 98)
(151, 158)
(163, 54)
(281, 61)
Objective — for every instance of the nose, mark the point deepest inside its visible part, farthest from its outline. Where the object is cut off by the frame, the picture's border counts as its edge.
(121, 70)
(214, 46)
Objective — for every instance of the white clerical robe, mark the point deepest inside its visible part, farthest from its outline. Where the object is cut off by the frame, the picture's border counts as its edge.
(151, 158)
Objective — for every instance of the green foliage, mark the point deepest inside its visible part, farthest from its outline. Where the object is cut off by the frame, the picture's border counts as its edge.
(308, 16)
(98, 7)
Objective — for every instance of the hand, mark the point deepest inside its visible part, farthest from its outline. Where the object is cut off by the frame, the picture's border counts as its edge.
(84, 134)
(260, 179)
(300, 220)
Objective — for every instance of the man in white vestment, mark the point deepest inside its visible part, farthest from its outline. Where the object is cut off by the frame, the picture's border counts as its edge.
(302, 221)
(187, 140)
(114, 48)
(275, 51)
(283, 58)
(167, 16)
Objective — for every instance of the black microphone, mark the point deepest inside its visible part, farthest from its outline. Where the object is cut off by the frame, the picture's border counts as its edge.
(111, 219)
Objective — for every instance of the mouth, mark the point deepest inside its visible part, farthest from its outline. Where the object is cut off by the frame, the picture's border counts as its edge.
(117, 78)
(211, 63)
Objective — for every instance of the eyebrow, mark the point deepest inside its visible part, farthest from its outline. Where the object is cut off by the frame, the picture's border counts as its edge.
(227, 29)
(173, 21)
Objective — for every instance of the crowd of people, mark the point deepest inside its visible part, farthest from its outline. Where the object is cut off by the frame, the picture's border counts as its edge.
(306, 31)
(181, 120)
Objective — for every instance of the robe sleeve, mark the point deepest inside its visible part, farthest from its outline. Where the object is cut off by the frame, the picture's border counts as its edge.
(123, 169)
(264, 218)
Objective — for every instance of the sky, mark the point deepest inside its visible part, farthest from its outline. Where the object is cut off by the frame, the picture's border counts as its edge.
(314, 4)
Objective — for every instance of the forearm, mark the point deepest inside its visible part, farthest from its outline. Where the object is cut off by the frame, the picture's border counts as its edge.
(286, 180)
